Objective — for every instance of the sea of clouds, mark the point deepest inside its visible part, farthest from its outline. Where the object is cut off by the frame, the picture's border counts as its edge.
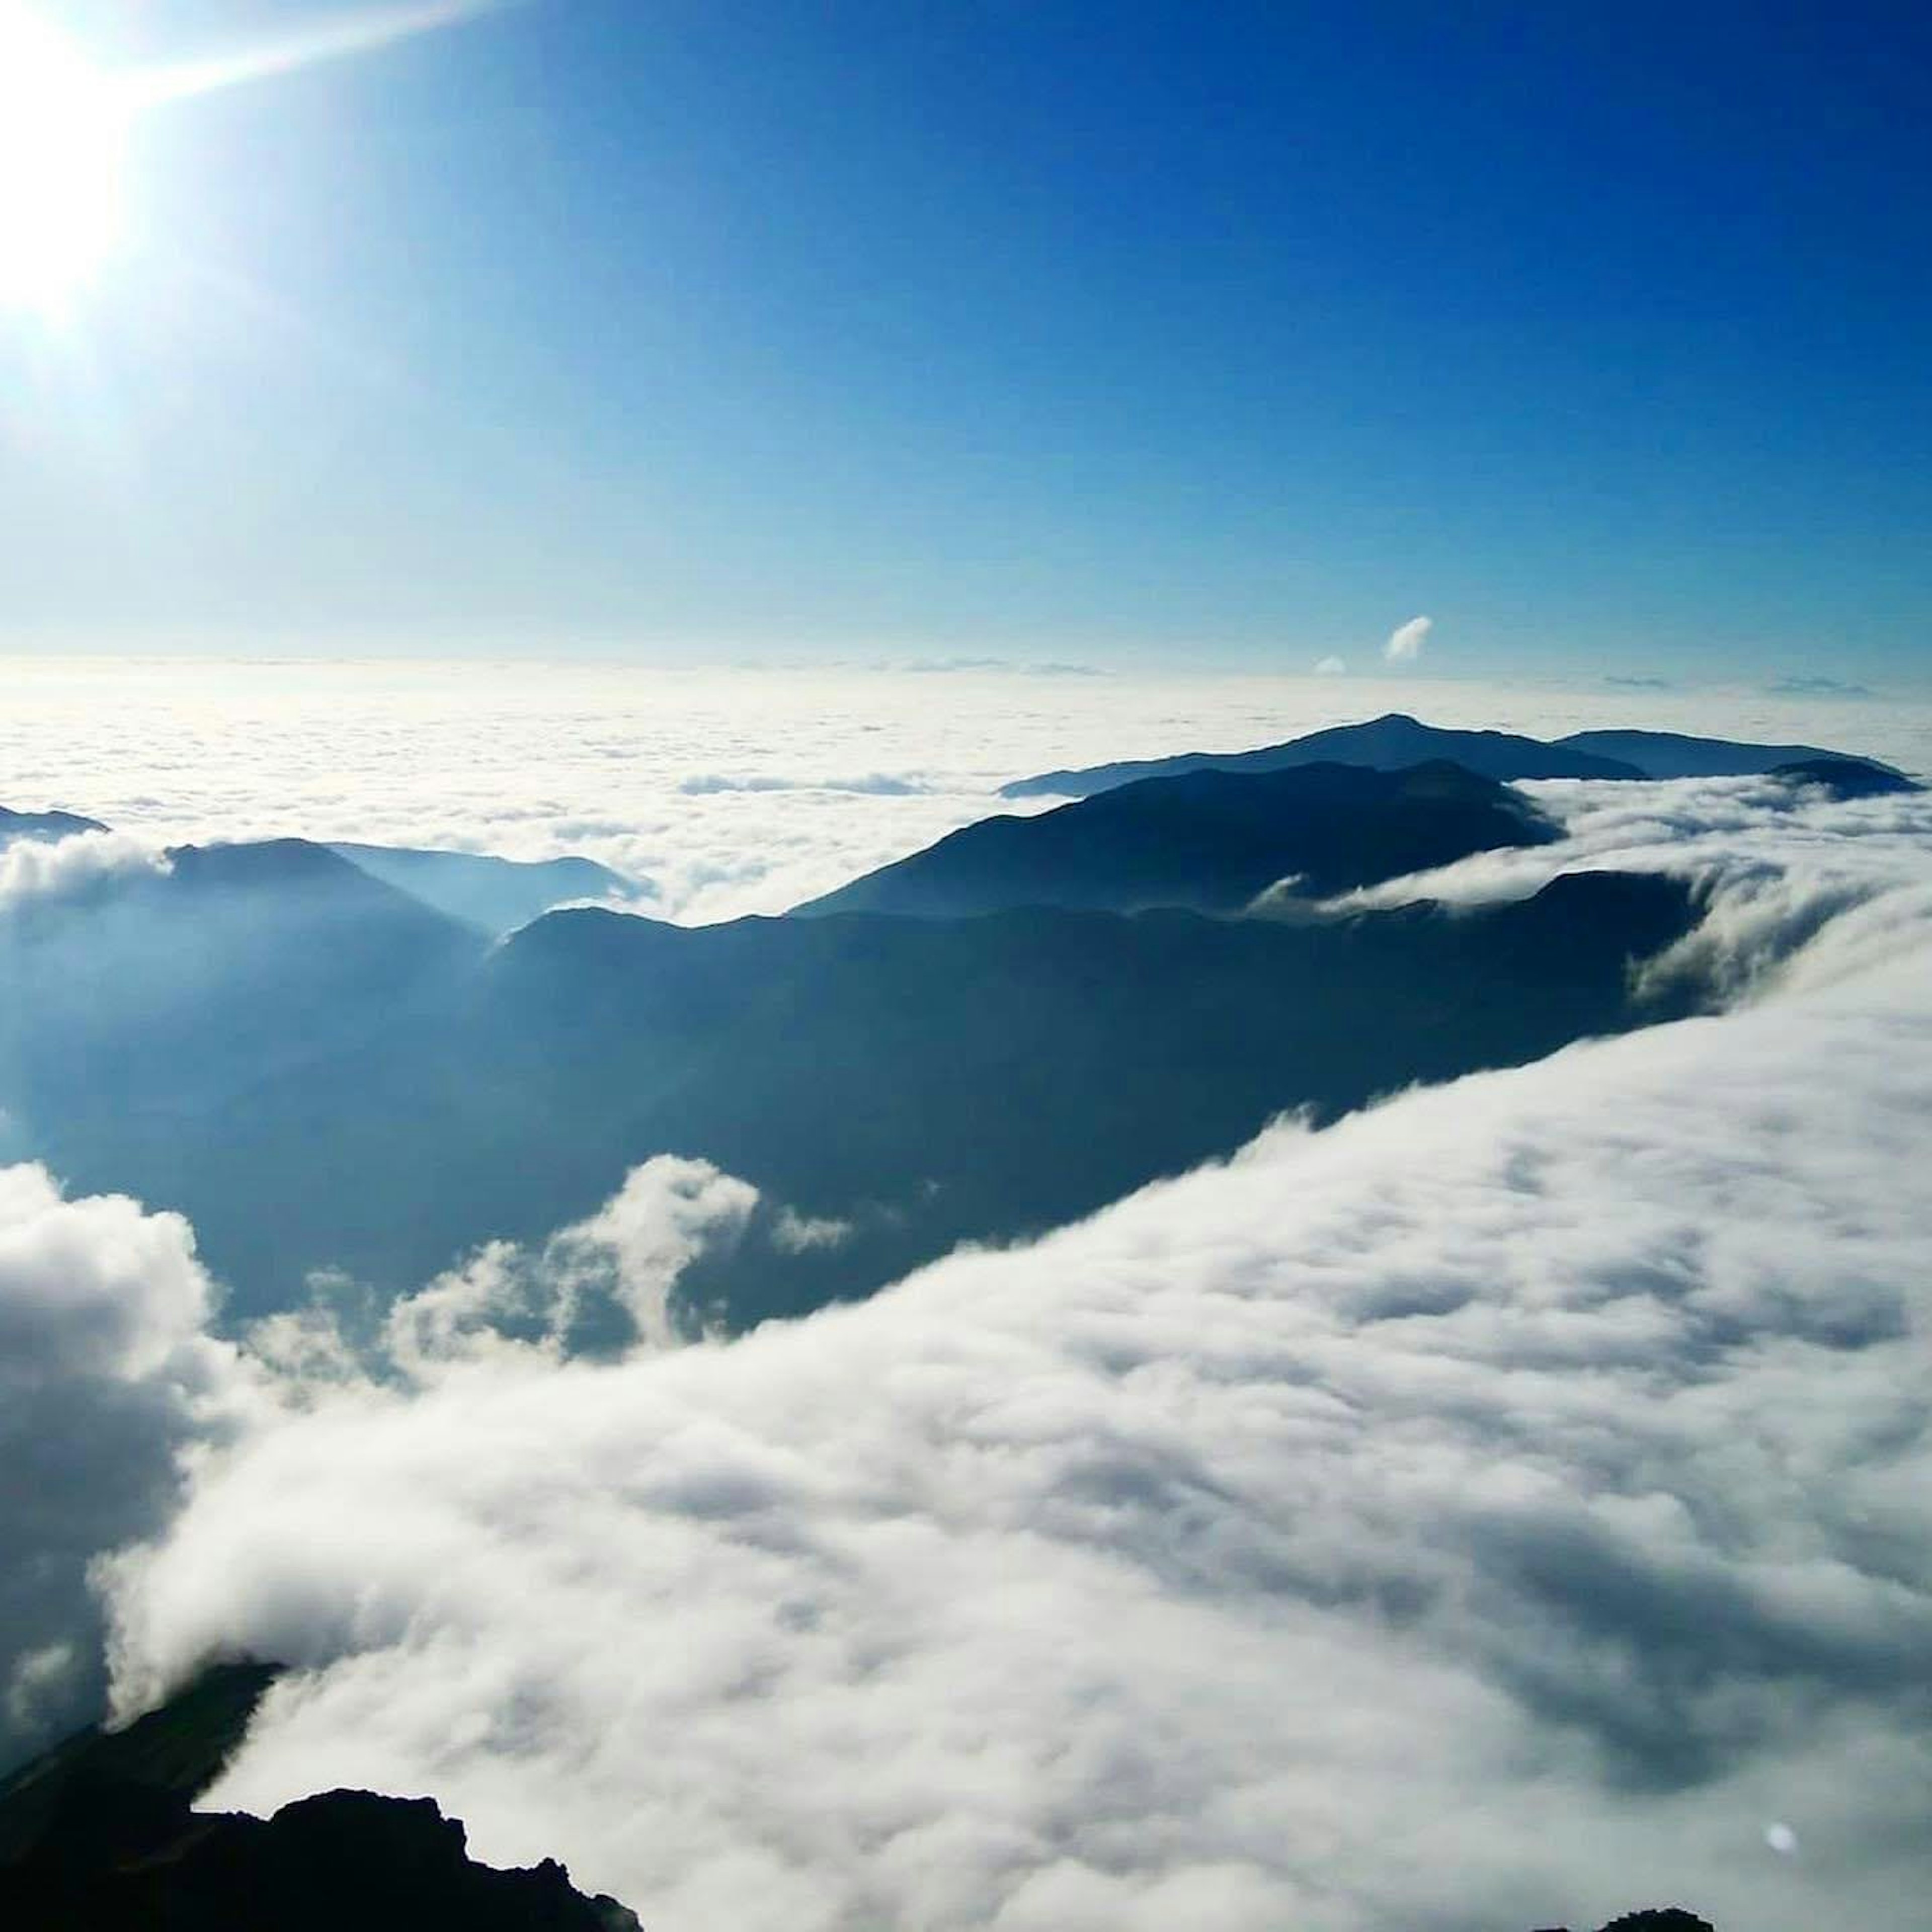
(1509, 1505)
(728, 791)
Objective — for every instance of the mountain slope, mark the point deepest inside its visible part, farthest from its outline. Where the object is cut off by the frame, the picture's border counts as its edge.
(920, 1082)
(1671, 755)
(495, 895)
(1384, 744)
(178, 1750)
(1210, 840)
(142, 1011)
(321, 1072)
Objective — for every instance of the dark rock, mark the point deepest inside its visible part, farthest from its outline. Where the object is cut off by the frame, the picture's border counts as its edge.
(1669, 1918)
(100, 1835)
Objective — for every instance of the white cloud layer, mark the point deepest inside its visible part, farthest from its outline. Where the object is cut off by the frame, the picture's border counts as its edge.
(1508, 1506)
(1502, 1508)
(733, 791)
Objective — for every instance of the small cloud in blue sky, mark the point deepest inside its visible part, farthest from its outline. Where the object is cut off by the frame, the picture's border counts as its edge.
(1406, 640)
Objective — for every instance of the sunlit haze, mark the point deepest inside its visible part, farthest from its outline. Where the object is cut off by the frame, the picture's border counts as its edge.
(63, 130)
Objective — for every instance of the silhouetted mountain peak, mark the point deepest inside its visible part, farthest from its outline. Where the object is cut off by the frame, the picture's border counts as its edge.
(1385, 743)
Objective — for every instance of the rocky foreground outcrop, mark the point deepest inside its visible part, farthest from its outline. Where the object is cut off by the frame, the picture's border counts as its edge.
(122, 1857)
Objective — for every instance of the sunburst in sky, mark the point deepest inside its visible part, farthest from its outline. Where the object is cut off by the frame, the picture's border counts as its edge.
(66, 119)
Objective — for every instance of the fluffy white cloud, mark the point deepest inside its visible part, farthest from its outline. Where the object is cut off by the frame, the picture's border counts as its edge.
(1406, 640)
(1329, 667)
(602, 1284)
(1777, 865)
(106, 1375)
(1503, 1507)
(33, 869)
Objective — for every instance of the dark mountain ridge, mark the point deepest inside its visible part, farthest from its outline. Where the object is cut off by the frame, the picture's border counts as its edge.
(1209, 840)
(921, 1081)
(1387, 743)
(322, 1072)
(1672, 755)
(43, 825)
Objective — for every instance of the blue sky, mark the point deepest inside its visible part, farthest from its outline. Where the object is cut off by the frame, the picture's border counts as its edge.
(1129, 333)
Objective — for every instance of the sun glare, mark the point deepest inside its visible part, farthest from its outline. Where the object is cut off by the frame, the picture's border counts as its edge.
(63, 131)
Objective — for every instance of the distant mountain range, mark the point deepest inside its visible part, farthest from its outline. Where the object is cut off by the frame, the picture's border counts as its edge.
(1210, 840)
(495, 896)
(1670, 755)
(1028, 1020)
(1383, 744)
(1390, 742)
(320, 1072)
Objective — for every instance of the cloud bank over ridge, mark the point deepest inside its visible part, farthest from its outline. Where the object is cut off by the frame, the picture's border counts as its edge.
(1446, 1520)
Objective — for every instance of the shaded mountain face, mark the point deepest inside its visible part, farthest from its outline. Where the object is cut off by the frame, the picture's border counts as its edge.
(918, 1082)
(143, 1009)
(43, 825)
(1210, 840)
(1670, 755)
(100, 1836)
(1382, 744)
(177, 1751)
(321, 1072)
(495, 895)
(927, 1083)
